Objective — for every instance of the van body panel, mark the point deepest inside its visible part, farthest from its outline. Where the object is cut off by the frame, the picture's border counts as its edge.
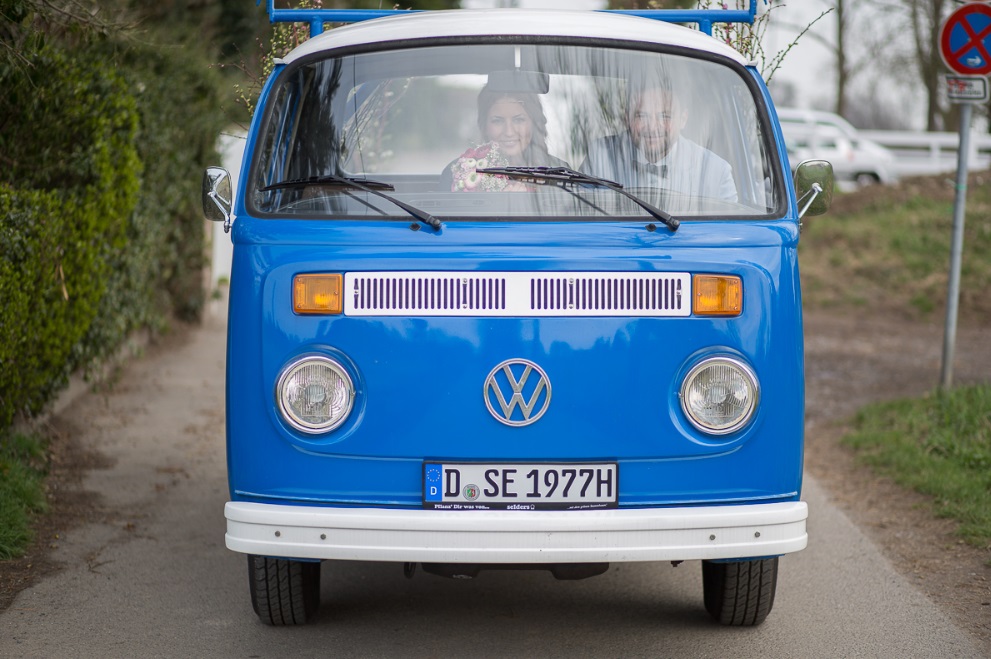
(482, 256)
(419, 381)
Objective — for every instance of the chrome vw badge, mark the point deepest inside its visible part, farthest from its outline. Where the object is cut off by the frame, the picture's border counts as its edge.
(517, 392)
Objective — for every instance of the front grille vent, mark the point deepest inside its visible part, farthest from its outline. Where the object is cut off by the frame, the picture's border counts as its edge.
(606, 293)
(522, 294)
(431, 295)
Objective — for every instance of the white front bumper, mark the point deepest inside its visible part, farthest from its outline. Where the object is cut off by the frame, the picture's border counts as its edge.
(440, 536)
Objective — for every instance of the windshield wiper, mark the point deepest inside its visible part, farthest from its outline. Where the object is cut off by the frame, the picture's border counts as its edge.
(365, 185)
(565, 175)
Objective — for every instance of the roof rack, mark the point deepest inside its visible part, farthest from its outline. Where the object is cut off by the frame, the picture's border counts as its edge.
(703, 17)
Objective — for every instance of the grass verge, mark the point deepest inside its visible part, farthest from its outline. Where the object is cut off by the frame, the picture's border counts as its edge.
(886, 249)
(939, 445)
(22, 491)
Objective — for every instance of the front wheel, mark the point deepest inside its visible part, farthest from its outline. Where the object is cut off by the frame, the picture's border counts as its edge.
(863, 179)
(740, 593)
(284, 592)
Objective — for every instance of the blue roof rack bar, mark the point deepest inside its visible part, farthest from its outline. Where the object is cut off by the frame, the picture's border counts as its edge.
(703, 17)
(317, 17)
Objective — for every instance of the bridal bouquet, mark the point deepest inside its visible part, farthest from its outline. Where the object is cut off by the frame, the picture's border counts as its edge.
(466, 179)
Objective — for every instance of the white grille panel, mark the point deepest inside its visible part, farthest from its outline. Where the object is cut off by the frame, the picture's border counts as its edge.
(431, 294)
(526, 294)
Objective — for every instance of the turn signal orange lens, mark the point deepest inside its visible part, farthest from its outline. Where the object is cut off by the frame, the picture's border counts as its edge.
(717, 295)
(317, 294)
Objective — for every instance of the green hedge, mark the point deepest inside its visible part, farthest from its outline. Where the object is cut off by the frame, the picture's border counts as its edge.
(66, 196)
(101, 154)
(160, 273)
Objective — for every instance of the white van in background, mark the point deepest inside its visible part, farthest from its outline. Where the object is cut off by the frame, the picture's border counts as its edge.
(812, 134)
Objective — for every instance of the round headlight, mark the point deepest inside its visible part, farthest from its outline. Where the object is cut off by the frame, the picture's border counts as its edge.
(315, 394)
(719, 395)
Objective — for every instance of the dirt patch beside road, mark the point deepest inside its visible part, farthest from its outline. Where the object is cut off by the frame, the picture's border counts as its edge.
(71, 505)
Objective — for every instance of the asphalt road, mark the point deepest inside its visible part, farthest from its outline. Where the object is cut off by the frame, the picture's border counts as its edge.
(155, 580)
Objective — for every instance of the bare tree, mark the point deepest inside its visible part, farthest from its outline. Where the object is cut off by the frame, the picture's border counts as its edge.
(915, 57)
(894, 38)
(847, 67)
(843, 13)
(926, 18)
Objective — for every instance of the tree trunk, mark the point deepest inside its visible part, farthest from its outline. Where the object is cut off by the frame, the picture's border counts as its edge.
(926, 18)
(842, 71)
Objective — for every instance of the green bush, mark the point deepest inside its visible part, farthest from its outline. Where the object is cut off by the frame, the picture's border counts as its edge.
(103, 140)
(160, 272)
(65, 196)
(102, 154)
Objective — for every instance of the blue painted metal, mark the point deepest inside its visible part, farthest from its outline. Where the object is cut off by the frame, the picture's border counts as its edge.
(419, 381)
(703, 17)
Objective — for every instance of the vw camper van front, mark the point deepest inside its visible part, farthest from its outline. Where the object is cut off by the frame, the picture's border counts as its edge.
(515, 289)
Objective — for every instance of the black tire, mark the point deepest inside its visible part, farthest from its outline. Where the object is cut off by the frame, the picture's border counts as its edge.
(740, 593)
(284, 592)
(863, 179)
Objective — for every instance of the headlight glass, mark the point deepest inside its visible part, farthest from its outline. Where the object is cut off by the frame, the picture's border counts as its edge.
(719, 395)
(315, 394)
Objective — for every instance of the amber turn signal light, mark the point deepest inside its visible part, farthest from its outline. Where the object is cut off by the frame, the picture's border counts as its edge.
(717, 295)
(317, 294)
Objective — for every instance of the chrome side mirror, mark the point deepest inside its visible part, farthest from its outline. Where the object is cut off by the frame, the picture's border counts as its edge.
(217, 196)
(814, 187)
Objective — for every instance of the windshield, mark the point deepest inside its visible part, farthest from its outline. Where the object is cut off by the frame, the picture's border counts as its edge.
(682, 133)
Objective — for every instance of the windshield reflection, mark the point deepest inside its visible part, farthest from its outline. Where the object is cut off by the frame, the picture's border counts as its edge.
(681, 133)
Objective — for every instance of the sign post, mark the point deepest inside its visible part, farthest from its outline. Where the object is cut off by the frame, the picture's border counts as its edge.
(965, 46)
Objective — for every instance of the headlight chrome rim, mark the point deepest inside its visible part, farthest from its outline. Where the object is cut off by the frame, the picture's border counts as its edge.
(750, 379)
(291, 417)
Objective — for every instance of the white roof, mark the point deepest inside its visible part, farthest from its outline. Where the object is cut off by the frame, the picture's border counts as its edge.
(514, 22)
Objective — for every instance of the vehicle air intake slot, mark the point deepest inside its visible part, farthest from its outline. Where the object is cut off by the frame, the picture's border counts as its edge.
(427, 293)
(526, 294)
(606, 293)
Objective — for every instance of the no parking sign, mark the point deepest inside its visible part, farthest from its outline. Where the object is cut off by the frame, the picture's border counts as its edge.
(965, 40)
(965, 46)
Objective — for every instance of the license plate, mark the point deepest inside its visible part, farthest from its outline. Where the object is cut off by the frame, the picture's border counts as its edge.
(543, 486)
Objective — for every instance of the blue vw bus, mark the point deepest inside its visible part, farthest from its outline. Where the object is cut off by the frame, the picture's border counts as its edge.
(515, 288)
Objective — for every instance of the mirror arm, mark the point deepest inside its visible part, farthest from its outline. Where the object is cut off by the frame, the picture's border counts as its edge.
(227, 216)
(811, 195)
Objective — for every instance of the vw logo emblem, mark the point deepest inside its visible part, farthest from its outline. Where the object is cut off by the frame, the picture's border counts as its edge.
(517, 392)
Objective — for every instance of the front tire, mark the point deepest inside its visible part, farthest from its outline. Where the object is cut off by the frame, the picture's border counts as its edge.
(863, 179)
(284, 592)
(740, 593)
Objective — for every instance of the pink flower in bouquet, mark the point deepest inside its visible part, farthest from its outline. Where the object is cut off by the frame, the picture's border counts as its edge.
(466, 179)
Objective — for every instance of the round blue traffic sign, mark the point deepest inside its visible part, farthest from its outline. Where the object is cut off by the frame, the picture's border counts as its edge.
(965, 40)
